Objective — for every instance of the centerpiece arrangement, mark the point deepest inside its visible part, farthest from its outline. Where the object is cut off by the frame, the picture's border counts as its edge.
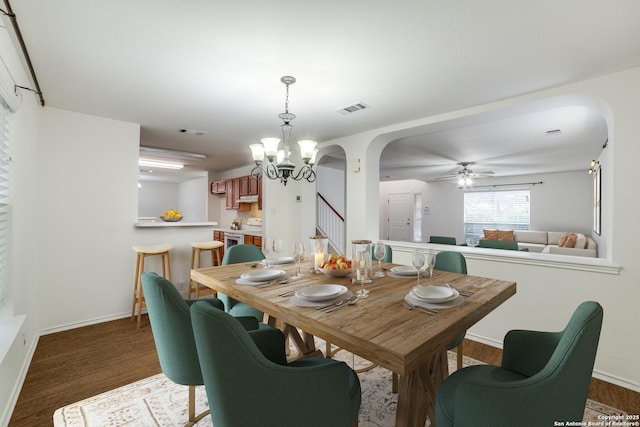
(336, 266)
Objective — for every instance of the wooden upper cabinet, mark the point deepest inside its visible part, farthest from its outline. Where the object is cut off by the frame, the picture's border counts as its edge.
(253, 187)
(236, 193)
(244, 185)
(230, 196)
(218, 187)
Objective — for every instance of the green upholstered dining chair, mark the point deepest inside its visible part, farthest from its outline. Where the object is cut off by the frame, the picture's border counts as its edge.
(453, 262)
(173, 336)
(237, 254)
(246, 389)
(544, 378)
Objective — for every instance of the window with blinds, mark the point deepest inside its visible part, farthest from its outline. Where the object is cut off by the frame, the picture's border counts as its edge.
(5, 205)
(506, 210)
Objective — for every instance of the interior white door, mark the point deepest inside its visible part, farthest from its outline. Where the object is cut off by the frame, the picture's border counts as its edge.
(400, 216)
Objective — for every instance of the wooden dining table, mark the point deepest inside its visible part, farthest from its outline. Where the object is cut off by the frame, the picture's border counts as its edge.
(380, 328)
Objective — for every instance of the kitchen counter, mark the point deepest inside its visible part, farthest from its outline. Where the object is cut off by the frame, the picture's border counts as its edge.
(248, 231)
(158, 224)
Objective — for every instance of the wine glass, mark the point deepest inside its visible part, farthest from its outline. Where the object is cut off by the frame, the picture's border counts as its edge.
(379, 252)
(430, 260)
(298, 257)
(418, 262)
(361, 265)
(266, 248)
(277, 247)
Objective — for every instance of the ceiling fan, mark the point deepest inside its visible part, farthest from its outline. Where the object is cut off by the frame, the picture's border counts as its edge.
(465, 175)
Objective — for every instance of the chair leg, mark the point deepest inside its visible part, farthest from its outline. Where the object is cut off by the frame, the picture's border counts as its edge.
(191, 289)
(193, 418)
(460, 354)
(394, 382)
(135, 286)
(139, 285)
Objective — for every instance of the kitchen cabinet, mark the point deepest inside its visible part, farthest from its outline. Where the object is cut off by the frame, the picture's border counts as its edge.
(237, 187)
(253, 240)
(254, 186)
(244, 185)
(218, 187)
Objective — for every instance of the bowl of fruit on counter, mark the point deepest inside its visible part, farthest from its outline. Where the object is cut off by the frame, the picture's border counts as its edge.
(171, 216)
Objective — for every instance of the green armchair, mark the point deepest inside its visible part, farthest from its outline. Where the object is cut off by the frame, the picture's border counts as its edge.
(246, 389)
(443, 240)
(235, 255)
(500, 244)
(544, 377)
(171, 326)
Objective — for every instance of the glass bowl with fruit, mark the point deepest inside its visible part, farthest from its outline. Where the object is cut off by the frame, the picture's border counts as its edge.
(171, 216)
(336, 266)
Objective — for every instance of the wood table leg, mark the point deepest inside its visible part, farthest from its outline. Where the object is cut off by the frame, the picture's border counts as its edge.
(417, 392)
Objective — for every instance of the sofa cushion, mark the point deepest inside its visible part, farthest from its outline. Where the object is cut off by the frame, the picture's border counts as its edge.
(554, 237)
(568, 240)
(539, 237)
(505, 235)
(581, 241)
(490, 234)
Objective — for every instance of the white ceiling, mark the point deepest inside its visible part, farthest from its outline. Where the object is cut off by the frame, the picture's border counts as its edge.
(215, 66)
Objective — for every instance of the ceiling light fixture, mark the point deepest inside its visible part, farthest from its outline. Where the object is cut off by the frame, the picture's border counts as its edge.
(156, 164)
(278, 165)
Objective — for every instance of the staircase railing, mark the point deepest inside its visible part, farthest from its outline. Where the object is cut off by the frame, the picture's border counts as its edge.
(330, 223)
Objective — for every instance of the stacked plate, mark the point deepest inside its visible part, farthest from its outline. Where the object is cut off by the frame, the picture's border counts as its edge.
(281, 260)
(434, 296)
(404, 270)
(260, 277)
(320, 295)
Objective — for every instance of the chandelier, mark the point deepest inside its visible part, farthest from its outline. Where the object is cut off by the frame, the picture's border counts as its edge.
(277, 164)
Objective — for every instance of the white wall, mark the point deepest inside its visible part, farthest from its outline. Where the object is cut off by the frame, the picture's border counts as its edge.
(155, 198)
(330, 183)
(192, 199)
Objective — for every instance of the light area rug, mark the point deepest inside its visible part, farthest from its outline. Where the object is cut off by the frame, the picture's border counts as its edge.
(158, 402)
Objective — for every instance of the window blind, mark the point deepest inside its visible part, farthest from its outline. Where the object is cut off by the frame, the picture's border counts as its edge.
(503, 209)
(5, 205)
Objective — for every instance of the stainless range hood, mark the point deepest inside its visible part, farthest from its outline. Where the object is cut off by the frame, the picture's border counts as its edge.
(248, 199)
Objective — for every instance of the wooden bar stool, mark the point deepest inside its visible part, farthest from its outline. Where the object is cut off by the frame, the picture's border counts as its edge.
(142, 252)
(216, 259)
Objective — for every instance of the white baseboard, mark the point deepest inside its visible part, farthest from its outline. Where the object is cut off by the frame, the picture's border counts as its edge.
(88, 322)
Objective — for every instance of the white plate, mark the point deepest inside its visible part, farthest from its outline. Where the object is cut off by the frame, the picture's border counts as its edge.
(321, 292)
(404, 270)
(281, 260)
(434, 294)
(262, 275)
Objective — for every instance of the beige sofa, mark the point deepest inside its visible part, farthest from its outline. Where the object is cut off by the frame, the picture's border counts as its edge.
(547, 242)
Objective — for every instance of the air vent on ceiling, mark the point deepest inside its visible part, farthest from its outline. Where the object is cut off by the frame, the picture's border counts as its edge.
(358, 106)
(192, 132)
(553, 131)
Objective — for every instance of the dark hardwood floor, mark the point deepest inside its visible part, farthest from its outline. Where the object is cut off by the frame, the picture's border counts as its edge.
(73, 365)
